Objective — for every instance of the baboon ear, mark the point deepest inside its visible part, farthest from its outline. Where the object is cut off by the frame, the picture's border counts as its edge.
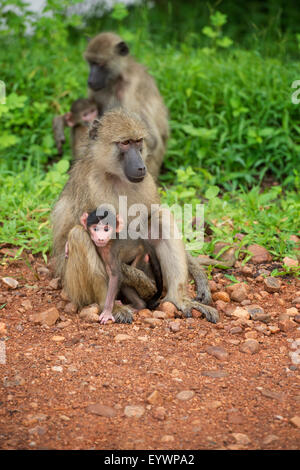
(93, 130)
(122, 48)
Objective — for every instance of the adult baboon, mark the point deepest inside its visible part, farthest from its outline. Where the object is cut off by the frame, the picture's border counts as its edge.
(116, 79)
(114, 167)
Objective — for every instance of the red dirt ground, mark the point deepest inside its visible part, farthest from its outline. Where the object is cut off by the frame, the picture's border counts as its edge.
(49, 376)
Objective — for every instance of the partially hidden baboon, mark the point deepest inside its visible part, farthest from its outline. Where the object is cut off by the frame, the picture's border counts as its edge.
(114, 168)
(83, 111)
(104, 228)
(116, 79)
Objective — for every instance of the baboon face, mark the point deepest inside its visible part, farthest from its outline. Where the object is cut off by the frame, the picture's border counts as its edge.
(119, 142)
(105, 54)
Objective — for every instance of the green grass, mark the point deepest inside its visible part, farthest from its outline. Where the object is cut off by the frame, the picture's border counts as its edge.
(232, 120)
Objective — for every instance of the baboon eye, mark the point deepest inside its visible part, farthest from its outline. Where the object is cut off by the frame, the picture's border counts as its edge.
(139, 141)
(125, 142)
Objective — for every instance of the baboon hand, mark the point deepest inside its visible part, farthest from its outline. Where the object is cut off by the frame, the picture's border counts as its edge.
(105, 317)
(186, 305)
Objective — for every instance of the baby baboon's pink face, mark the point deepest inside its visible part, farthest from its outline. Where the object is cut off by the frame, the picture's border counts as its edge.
(101, 234)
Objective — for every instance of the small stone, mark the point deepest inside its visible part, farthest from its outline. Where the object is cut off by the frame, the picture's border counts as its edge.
(259, 254)
(251, 335)
(295, 421)
(269, 439)
(236, 330)
(241, 439)
(121, 337)
(215, 374)
(290, 262)
(296, 300)
(101, 410)
(291, 312)
(134, 411)
(57, 368)
(197, 314)
(152, 322)
(160, 315)
(254, 311)
(234, 416)
(247, 270)
(221, 296)
(250, 346)
(218, 352)
(64, 324)
(297, 318)
(174, 326)
(271, 394)
(90, 313)
(64, 296)
(238, 292)
(64, 418)
(185, 395)
(43, 271)
(58, 339)
(168, 308)
(274, 329)
(213, 286)
(154, 398)
(145, 313)
(214, 404)
(47, 317)
(40, 430)
(70, 308)
(286, 325)
(10, 282)
(167, 438)
(272, 284)
(27, 304)
(240, 312)
(221, 305)
(228, 256)
(159, 413)
(3, 330)
(54, 283)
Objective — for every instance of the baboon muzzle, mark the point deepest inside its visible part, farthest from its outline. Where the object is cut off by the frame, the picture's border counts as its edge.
(97, 77)
(134, 166)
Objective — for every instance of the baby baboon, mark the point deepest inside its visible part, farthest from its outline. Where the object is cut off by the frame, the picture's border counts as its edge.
(103, 226)
(115, 169)
(82, 112)
(116, 79)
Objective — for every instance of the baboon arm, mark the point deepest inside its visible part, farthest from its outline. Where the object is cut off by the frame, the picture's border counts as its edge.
(199, 276)
(58, 125)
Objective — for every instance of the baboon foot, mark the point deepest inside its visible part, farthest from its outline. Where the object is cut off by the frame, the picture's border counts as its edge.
(123, 314)
(186, 306)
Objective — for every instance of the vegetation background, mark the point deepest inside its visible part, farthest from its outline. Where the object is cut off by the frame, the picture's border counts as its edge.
(226, 71)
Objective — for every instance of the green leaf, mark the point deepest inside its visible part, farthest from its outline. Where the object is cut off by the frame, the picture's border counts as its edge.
(224, 42)
(208, 31)
(218, 19)
(119, 12)
(211, 192)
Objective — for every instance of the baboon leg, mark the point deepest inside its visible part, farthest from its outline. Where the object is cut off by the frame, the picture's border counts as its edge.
(133, 298)
(173, 260)
(201, 281)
